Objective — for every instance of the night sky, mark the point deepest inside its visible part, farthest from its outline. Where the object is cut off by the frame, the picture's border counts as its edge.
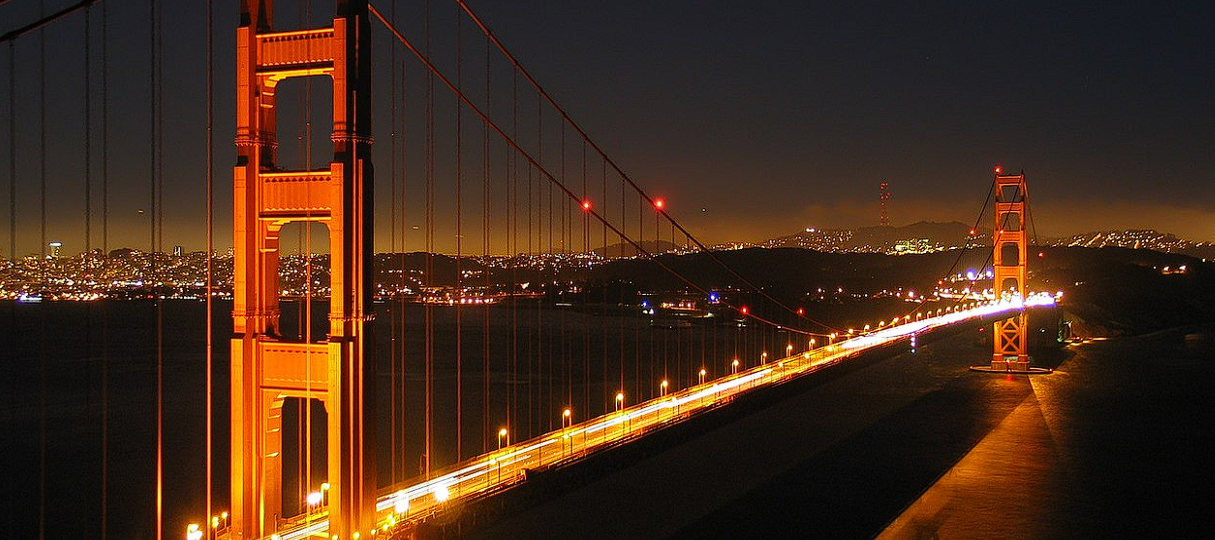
(754, 119)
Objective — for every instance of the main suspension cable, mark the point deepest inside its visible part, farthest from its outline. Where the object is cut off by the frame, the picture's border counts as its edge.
(656, 203)
(553, 181)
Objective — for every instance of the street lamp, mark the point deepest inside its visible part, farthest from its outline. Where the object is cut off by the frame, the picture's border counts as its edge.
(663, 386)
(502, 433)
(734, 366)
(325, 492)
(702, 375)
(788, 350)
(567, 421)
(192, 532)
(619, 401)
(763, 357)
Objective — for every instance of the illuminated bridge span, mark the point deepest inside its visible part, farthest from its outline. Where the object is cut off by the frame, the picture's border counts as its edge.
(411, 502)
(499, 330)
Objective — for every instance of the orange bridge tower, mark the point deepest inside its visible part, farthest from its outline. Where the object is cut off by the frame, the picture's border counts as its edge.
(266, 368)
(1009, 271)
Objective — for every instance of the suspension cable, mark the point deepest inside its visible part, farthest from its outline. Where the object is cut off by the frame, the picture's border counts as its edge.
(45, 20)
(623, 175)
(554, 182)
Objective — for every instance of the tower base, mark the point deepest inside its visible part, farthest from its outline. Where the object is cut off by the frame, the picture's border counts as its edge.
(1014, 367)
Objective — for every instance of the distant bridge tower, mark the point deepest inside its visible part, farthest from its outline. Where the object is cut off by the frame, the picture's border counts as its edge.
(1009, 271)
(883, 196)
(267, 369)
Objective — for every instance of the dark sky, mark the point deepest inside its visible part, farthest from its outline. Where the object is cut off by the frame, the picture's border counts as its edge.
(769, 116)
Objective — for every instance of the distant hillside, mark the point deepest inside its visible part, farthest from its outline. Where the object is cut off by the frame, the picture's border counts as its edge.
(1140, 239)
(884, 239)
(625, 249)
(1107, 291)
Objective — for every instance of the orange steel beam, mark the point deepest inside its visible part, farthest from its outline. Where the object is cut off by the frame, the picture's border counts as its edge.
(266, 368)
(1009, 271)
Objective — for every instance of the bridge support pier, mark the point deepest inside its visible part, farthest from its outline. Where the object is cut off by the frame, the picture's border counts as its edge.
(266, 369)
(1009, 274)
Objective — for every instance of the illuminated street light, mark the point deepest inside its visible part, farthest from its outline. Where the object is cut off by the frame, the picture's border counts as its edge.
(567, 421)
(619, 401)
(763, 357)
(314, 498)
(664, 385)
(789, 350)
(441, 493)
(192, 532)
(734, 366)
(702, 375)
(501, 434)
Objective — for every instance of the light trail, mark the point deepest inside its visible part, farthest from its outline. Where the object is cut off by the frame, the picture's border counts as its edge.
(496, 470)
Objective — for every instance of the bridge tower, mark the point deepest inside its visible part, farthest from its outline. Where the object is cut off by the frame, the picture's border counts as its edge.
(266, 368)
(1009, 271)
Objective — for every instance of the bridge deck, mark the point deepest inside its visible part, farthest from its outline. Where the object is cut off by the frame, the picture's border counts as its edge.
(415, 500)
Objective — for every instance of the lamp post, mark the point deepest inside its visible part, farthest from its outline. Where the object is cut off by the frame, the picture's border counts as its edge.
(193, 532)
(734, 367)
(763, 357)
(788, 350)
(567, 420)
(620, 409)
(702, 375)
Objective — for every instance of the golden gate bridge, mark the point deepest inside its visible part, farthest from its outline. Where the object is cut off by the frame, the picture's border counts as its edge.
(505, 199)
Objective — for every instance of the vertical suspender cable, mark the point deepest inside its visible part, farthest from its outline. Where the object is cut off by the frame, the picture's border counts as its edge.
(513, 406)
(87, 256)
(210, 243)
(42, 266)
(459, 249)
(157, 212)
(392, 248)
(485, 391)
(105, 236)
(12, 230)
(404, 251)
(429, 277)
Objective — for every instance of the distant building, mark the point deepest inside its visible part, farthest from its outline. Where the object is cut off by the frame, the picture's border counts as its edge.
(177, 251)
(56, 249)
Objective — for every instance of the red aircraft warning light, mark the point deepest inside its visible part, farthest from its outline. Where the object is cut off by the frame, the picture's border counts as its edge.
(999, 169)
(659, 203)
(586, 205)
(801, 311)
(743, 310)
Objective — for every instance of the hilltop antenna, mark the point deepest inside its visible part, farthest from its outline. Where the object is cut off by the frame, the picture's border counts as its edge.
(883, 196)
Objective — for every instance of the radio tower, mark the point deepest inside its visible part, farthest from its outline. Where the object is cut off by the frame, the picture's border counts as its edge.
(883, 196)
